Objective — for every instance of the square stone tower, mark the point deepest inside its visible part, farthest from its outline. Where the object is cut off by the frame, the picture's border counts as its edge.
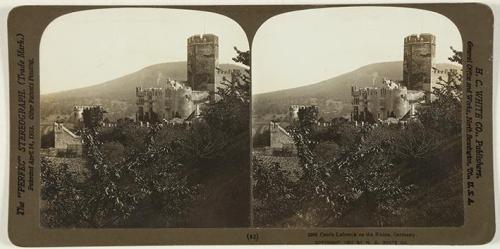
(419, 52)
(202, 62)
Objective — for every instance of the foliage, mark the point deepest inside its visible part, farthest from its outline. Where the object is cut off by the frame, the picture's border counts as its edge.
(112, 192)
(363, 173)
(371, 175)
(155, 176)
(261, 139)
(417, 145)
(340, 131)
(47, 139)
(274, 189)
(231, 110)
(59, 185)
(445, 111)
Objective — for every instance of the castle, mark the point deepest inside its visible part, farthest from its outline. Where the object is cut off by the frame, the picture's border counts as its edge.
(397, 100)
(182, 101)
(174, 100)
(392, 100)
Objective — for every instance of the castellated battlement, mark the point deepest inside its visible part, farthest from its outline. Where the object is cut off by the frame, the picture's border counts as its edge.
(148, 92)
(420, 38)
(445, 71)
(227, 72)
(83, 107)
(203, 38)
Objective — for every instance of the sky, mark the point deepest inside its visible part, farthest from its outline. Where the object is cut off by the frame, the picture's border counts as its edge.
(304, 47)
(90, 47)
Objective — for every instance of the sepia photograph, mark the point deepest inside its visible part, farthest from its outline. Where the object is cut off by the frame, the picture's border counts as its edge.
(144, 120)
(357, 119)
(250, 124)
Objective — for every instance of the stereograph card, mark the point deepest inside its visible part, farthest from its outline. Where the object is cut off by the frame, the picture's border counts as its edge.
(258, 124)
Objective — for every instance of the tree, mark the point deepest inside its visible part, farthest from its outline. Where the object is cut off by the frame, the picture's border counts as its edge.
(154, 180)
(444, 113)
(231, 110)
(275, 191)
(359, 180)
(114, 193)
(262, 139)
(375, 174)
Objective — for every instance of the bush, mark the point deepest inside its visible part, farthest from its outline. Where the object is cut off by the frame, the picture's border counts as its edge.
(275, 193)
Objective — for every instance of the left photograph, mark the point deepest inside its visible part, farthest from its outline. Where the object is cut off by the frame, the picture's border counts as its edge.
(145, 120)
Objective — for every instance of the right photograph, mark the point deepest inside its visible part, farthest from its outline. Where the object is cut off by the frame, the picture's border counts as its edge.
(356, 119)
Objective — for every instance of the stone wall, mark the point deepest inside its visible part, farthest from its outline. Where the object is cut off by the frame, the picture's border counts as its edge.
(279, 138)
(67, 141)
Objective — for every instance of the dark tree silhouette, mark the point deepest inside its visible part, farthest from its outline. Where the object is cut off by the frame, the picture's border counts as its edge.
(444, 113)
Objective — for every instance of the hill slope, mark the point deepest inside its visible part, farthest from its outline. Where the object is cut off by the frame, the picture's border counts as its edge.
(118, 95)
(334, 89)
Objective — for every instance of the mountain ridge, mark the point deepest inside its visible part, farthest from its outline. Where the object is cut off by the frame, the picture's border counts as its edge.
(337, 88)
(117, 96)
(176, 70)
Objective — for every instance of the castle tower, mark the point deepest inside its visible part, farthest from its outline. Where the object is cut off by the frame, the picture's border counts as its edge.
(202, 62)
(419, 52)
(293, 113)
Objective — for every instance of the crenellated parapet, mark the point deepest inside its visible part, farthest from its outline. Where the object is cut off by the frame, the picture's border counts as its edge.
(420, 38)
(202, 38)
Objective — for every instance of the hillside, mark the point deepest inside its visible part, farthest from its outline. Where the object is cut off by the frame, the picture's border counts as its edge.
(334, 89)
(117, 95)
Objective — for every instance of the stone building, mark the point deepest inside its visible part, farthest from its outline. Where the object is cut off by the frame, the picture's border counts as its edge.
(280, 139)
(418, 61)
(392, 100)
(172, 99)
(398, 99)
